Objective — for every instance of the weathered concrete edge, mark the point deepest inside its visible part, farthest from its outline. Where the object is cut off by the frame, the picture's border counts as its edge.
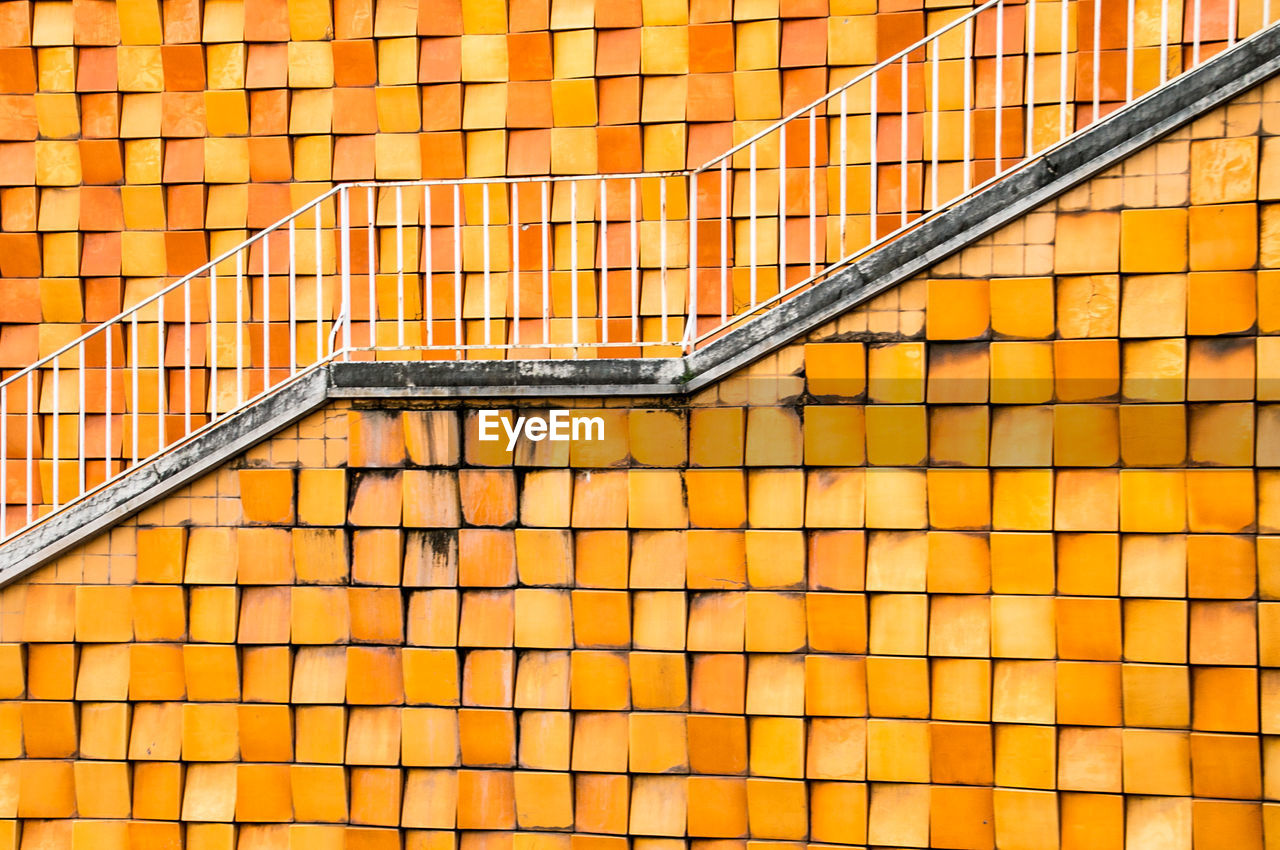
(509, 378)
(164, 475)
(1093, 151)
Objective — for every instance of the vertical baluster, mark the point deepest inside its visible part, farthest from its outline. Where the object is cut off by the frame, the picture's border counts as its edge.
(515, 264)
(186, 358)
(428, 283)
(266, 312)
(372, 265)
(400, 266)
(844, 166)
(635, 268)
(874, 132)
(692, 322)
(999, 84)
(485, 264)
(32, 413)
(782, 207)
(107, 454)
(573, 264)
(213, 343)
(459, 337)
(724, 240)
(604, 262)
(292, 300)
(968, 104)
(319, 288)
(82, 351)
(933, 132)
(662, 252)
(344, 309)
(1130, 50)
(1097, 57)
(751, 227)
(813, 191)
(1031, 74)
(1062, 71)
(239, 327)
(4, 462)
(546, 264)
(904, 93)
(57, 434)
(161, 443)
(133, 346)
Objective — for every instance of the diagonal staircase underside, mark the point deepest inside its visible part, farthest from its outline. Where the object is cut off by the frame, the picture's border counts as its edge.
(584, 285)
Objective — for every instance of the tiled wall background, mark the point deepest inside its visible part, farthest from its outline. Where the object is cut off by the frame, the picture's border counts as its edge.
(988, 562)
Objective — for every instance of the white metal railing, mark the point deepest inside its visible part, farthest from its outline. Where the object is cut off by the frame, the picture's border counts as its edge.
(629, 264)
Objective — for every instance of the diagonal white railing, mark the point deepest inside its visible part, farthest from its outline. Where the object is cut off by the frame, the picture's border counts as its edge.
(649, 264)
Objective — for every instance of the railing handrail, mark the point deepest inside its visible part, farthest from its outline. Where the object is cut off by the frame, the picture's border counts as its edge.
(155, 297)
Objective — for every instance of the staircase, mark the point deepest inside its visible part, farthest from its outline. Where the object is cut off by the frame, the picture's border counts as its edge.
(653, 265)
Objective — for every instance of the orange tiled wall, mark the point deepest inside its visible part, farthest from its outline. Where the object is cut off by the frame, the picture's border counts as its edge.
(990, 561)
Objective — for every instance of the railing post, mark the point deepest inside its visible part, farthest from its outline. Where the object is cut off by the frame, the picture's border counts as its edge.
(57, 434)
(515, 264)
(692, 322)
(1031, 73)
(133, 368)
(999, 10)
(724, 237)
(604, 261)
(662, 254)
(573, 265)
(635, 266)
(160, 388)
(371, 265)
(400, 266)
(485, 261)
(266, 313)
(782, 208)
(186, 357)
(1130, 47)
(32, 413)
(968, 106)
(344, 239)
(80, 422)
(213, 354)
(319, 285)
(240, 327)
(4, 462)
(428, 262)
(459, 337)
(873, 157)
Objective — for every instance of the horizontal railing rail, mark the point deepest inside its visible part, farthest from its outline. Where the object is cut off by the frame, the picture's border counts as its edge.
(627, 265)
